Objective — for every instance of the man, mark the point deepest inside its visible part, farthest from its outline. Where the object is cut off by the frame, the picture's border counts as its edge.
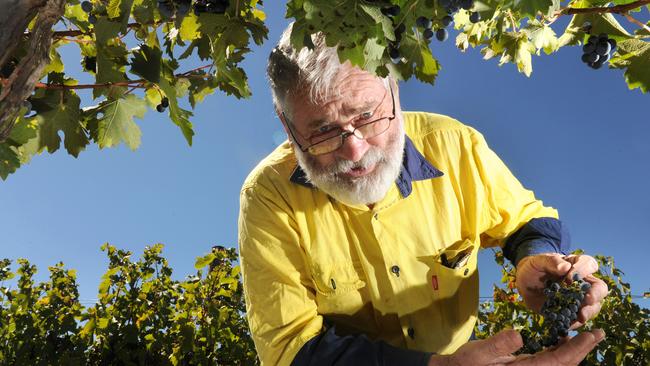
(359, 236)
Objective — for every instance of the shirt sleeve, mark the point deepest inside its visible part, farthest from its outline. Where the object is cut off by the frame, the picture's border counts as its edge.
(507, 205)
(328, 348)
(280, 300)
(540, 235)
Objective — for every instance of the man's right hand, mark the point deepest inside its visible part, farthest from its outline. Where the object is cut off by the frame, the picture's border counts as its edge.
(498, 349)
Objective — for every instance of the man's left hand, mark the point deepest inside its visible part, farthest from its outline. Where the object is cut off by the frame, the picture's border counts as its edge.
(534, 270)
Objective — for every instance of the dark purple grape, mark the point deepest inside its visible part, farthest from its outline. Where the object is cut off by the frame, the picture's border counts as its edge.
(87, 6)
(442, 34)
(588, 48)
(423, 22)
(592, 39)
(475, 17)
(391, 11)
(603, 37)
(612, 43)
(585, 287)
(160, 108)
(164, 102)
(90, 63)
(585, 58)
(427, 34)
(593, 57)
(603, 48)
(394, 55)
(399, 30)
(446, 20)
(92, 19)
(166, 9)
(576, 275)
(466, 4)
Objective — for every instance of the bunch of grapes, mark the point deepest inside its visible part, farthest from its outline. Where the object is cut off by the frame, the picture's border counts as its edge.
(169, 8)
(211, 6)
(559, 310)
(90, 63)
(87, 7)
(453, 6)
(597, 50)
(393, 47)
(164, 103)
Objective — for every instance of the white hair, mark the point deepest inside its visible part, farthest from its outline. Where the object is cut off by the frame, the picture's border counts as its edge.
(290, 70)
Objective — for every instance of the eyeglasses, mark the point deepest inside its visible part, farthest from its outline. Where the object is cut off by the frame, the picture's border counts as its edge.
(332, 141)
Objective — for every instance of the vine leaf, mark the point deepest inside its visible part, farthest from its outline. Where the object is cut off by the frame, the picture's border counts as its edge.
(9, 161)
(146, 63)
(59, 111)
(634, 56)
(117, 125)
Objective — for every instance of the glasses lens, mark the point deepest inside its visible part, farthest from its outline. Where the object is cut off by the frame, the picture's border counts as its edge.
(372, 129)
(326, 146)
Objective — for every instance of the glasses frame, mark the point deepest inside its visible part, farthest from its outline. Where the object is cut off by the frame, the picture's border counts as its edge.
(345, 133)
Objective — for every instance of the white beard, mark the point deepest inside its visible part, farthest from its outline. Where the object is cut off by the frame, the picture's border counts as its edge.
(368, 189)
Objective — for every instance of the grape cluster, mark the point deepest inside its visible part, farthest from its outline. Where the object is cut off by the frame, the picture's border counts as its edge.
(211, 6)
(87, 7)
(453, 6)
(393, 47)
(169, 8)
(597, 50)
(164, 103)
(90, 63)
(560, 309)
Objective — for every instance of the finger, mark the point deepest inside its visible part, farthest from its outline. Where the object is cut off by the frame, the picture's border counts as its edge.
(597, 291)
(588, 312)
(569, 353)
(584, 265)
(501, 344)
(552, 264)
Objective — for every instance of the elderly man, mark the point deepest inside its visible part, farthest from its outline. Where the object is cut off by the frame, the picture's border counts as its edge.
(359, 235)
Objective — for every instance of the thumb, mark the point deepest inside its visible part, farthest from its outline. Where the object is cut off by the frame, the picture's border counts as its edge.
(552, 264)
(501, 344)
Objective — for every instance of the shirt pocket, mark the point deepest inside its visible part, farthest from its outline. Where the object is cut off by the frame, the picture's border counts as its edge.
(338, 288)
(455, 290)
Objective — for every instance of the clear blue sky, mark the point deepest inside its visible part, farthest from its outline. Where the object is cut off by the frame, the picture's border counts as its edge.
(576, 136)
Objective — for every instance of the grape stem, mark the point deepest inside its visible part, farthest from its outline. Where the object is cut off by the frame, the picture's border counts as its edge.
(133, 84)
(633, 20)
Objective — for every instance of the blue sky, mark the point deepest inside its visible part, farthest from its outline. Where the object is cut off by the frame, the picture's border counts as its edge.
(576, 136)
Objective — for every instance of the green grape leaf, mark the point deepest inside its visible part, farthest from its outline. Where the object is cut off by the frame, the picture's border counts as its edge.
(178, 115)
(529, 8)
(542, 37)
(59, 111)
(189, 29)
(417, 51)
(513, 47)
(55, 64)
(117, 125)
(146, 63)
(24, 130)
(120, 9)
(201, 87)
(204, 260)
(9, 161)
(634, 56)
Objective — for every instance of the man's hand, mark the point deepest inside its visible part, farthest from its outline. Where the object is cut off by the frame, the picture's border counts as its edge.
(534, 270)
(497, 350)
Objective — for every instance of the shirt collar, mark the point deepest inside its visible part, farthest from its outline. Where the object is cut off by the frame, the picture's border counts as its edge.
(414, 167)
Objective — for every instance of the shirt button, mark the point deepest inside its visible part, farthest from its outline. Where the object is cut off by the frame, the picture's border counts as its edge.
(466, 271)
(411, 332)
(395, 270)
(375, 216)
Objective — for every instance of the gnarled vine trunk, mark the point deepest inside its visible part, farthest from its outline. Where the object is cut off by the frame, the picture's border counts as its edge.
(14, 18)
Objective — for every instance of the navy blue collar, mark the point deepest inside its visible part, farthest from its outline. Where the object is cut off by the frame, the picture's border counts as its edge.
(414, 167)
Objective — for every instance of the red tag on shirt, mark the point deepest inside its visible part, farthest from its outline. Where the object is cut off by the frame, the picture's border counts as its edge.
(434, 282)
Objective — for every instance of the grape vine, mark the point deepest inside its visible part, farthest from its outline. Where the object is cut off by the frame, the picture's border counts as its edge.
(381, 36)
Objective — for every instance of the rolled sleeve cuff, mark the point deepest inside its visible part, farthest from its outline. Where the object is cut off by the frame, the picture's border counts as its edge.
(540, 235)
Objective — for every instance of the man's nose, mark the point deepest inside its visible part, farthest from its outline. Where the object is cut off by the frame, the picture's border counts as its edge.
(353, 148)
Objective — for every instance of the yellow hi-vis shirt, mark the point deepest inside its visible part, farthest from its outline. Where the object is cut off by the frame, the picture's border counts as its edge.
(306, 257)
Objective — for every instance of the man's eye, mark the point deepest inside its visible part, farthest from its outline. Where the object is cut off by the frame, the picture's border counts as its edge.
(324, 129)
(366, 115)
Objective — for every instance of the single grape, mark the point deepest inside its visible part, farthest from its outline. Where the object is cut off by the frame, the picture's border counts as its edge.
(92, 19)
(160, 108)
(588, 48)
(593, 57)
(585, 287)
(87, 6)
(446, 20)
(164, 102)
(612, 43)
(442, 34)
(391, 11)
(466, 4)
(424, 22)
(475, 17)
(576, 275)
(427, 34)
(603, 48)
(555, 287)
